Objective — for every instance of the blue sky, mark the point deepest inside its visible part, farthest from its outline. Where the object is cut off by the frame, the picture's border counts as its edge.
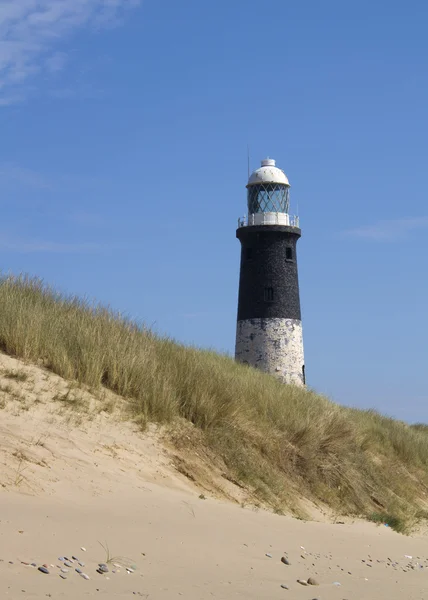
(123, 162)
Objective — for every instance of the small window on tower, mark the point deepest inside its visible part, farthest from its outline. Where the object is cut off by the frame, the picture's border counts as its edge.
(268, 294)
(249, 253)
(289, 253)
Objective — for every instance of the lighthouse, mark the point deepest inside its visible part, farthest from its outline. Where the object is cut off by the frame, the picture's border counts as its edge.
(269, 329)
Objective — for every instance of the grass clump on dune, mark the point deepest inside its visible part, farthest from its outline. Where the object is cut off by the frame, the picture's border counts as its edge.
(281, 442)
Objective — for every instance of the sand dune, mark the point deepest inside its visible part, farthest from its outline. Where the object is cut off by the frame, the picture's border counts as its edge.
(71, 482)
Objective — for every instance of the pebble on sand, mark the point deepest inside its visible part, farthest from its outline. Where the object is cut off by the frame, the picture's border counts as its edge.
(302, 582)
(44, 570)
(284, 587)
(285, 561)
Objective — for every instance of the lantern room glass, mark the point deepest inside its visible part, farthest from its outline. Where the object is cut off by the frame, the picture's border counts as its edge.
(268, 197)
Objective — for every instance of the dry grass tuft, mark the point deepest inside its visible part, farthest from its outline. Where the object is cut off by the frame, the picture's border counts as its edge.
(19, 375)
(280, 442)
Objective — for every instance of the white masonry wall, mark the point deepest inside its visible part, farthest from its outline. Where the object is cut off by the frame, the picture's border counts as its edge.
(272, 345)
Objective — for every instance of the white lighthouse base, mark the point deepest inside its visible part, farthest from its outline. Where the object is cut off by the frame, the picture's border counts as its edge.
(272, 345)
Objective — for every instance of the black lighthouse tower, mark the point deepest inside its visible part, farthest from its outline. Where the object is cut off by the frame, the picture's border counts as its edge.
(269, 329)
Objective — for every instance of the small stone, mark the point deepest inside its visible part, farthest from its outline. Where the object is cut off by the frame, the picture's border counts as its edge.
(284, 587)
(74, 558)
(68, 563)
(81, 564)
(78, 571)
(269, 555)
(63, 576)
(33, 564)
(44, 570)
(285, 561)
(103, 568)
(84, 575)
(312, 581)
(302, 582)
(64, 570)
(83, 549)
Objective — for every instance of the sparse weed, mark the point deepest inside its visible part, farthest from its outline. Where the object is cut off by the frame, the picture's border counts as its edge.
(19, 477)
(73, 397)
(19, 375)
(394, 521)
(122, 560)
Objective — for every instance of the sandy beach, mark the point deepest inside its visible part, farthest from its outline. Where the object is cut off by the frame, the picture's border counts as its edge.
(181, 546)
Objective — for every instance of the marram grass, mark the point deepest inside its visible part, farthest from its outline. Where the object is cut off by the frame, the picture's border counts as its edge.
(281, 442)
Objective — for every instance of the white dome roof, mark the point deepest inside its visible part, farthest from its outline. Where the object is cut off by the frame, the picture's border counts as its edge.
(268, 173)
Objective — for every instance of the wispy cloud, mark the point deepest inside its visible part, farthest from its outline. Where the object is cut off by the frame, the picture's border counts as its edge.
(12, 174)
(15, 176)
(83, 91)
(386, 231)
(87, 219)
(32, 30)
(37, 246)
(55, 62)
(32, 246)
